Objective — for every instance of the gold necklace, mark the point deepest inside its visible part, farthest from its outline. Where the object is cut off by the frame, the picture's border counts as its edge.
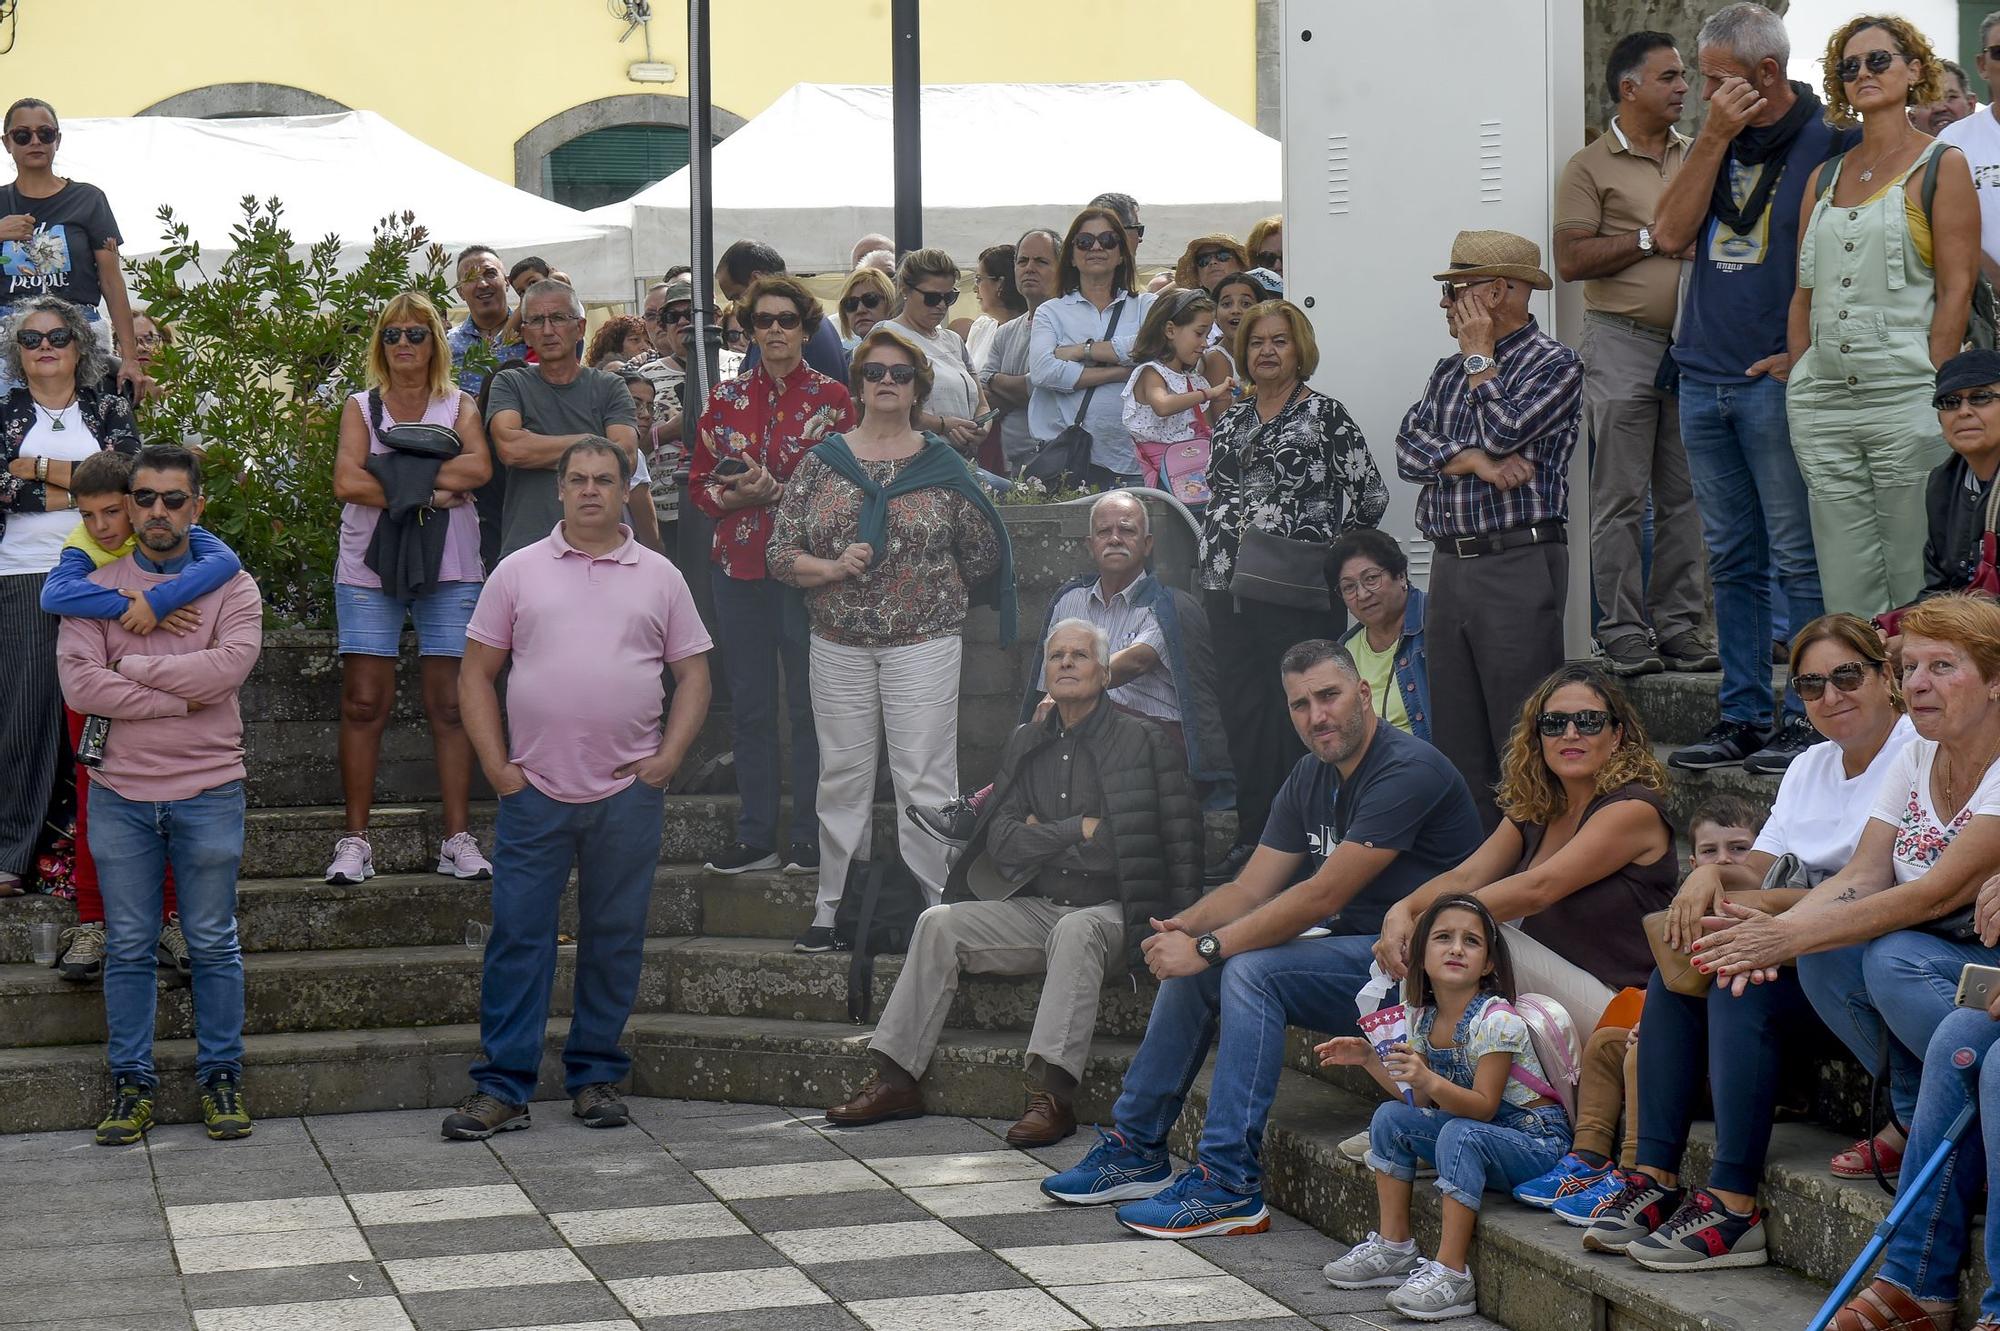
(1951, 781)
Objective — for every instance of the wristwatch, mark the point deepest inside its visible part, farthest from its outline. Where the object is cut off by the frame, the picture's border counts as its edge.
(1209, 948)
(1478, 365)
(1645, 240)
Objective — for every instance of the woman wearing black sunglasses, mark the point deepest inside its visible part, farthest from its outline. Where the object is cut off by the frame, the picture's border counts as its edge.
(58, 416)
(866, 298)
(57, 236)
(929, 283)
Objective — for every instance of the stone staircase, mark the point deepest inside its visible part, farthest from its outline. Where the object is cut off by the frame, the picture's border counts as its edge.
(366, 997)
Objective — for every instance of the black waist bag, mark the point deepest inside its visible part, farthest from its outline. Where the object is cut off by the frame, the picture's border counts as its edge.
(878, 912)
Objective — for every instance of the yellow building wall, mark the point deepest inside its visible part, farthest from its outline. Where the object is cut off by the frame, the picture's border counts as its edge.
(470, 77)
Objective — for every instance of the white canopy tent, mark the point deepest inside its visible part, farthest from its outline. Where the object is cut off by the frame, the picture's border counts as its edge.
(814, 173)
(335, 174)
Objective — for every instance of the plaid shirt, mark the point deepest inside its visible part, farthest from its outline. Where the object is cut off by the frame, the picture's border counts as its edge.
(1531, 407)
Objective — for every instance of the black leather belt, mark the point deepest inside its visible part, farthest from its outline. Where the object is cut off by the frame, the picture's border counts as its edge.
(1471, 547)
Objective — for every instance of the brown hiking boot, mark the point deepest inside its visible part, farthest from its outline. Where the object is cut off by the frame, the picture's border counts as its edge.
(1046, 1122)
(480, 1115)
(877, 1102)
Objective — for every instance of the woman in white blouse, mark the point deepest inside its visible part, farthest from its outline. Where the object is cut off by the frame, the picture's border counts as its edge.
(928, 280)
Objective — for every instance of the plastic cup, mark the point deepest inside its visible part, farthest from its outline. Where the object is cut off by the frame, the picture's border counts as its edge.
(43, 938)
(476, 934)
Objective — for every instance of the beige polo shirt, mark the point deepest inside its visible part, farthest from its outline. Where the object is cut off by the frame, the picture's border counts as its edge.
(1610, 189)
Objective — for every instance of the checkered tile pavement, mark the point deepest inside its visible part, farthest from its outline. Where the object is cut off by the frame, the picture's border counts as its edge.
(699, 1217)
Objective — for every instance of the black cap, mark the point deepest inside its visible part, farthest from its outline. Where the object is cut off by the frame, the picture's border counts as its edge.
(1969, 369)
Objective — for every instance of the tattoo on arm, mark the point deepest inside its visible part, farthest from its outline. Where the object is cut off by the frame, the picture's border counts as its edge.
(1849, 895)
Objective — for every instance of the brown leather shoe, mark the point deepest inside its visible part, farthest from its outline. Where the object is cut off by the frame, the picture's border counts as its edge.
(878, 1102)
(1046, 1122)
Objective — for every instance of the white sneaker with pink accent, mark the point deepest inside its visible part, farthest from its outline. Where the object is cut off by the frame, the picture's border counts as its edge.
(459, 856)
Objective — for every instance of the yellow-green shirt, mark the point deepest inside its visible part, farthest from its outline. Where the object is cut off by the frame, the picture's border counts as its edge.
(99, 556)
(1379, 669)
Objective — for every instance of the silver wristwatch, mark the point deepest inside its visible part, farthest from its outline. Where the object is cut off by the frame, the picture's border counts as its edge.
(1645, 240)
(1478, 365)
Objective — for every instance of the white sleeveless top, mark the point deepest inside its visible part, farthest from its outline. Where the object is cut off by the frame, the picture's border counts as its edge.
(1150, 428)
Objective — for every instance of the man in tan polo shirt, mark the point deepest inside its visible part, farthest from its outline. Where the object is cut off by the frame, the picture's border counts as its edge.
(1604, 214)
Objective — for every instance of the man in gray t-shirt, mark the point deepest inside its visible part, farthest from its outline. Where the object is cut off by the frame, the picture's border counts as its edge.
(535, 412)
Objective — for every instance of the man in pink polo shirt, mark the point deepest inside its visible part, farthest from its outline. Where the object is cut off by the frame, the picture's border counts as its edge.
(590, 620)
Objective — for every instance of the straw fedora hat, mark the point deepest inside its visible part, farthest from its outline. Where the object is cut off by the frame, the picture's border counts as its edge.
(1496, 254)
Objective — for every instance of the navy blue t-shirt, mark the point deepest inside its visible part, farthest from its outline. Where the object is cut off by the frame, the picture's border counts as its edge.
(1405, 796)
(1739, 293)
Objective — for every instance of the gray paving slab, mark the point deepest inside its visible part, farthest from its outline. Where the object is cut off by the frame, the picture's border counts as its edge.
(34, 1305)
(251, 1185)
(57, 1229)
(676, 1257)
(904, 1277)
(446, 1238)
(287, 1284)
(767, 1214)
(816, 1317)
(923, 1136)
(728, 1152)
(109, 1261)
(159, 1319)
(534, 1305)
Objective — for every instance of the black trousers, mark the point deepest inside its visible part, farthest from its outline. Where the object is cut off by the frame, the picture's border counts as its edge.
(1493, 630)
(31, 719)
(1250, 639)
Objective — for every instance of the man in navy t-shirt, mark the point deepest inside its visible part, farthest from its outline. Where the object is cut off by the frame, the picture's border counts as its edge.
(1734, 210)
(1374, 814)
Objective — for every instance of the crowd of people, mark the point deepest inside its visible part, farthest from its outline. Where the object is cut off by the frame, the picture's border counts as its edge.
(1786, 385)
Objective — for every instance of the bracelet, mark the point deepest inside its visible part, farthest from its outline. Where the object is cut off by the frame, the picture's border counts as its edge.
(42, 469)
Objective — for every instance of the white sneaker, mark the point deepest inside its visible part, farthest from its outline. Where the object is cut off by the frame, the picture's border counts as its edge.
(459, 856)
(1373, 1264)
(1435, 1293)
(353, 861)
(1355, 1148)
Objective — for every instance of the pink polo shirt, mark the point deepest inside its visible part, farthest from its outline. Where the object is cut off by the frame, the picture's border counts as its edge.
(590, 637)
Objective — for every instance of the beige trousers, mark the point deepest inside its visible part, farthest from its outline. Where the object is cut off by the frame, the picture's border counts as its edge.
(1538, 969)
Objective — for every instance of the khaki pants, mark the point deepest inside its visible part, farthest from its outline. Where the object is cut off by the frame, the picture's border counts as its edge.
(1608, 1085)
(1538, 969)
(1019, 936)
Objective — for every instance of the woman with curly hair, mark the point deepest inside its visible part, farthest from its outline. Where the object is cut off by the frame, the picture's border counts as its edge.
(1888, 255)
(1583, 852)
(1209, 259)
(619, 338)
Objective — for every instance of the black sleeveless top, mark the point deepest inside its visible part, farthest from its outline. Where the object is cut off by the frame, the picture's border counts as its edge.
(1597, 926)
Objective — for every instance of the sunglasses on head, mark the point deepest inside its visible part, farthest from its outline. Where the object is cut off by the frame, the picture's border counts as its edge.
(1099, 240)
(417, 336)
(875, 372)
(1207, 257)
(935, 299)
(1878, 62)
(175, 500)
(785, 319)
(32, 338)
(1268, 258)
(1978, 397)
(40, 134)
(1591, 721)
(1846, 677)
(867, 300)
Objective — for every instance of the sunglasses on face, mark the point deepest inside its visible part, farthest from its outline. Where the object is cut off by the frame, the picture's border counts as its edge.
(785, 319)
(32, 338)
(665, 315)
(1552, 725)
(867, 301)
(937, 299)
(1268, 258)
(1847, 678)
(1878, 62)
(417, 336)
(175, 500)
(735, 335)
(1207, 257)
(1978, 397)
(875, 372)
(1453, 290)
(40, 134)
(1099, 240)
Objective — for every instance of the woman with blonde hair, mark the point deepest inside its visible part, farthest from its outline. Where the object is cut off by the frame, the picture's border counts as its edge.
(412, 450)
(1266, 245)
(1583, 852)
(866, 298)
(1209, 259)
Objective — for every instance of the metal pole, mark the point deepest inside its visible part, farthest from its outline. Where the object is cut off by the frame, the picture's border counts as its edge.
(906, 64)
(704, 335)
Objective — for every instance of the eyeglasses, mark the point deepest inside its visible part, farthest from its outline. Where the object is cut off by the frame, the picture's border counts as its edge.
(148, 340)
(548, 321)
(1099, 240)
(785, 319)
(175, 500)
(875, 372)
(1878, 62)
(868, 300)
(735, 335)
(1370, 582)
(1207, 257)
(1453, 289)
(417, 336)
(935, 299)
(1993, 53)
(43, 134)
(1268, 258)
(1552, 725)
(1978, 397)
(1846, 677)
(32, 338)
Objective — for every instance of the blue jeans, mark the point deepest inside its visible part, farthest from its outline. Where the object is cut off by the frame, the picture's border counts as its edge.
(1923, 1257)
(133, 841)
(1753, 516)
(1248, 1000)
(1907, 980)
(761, 622)
(614, 845)
(1471, 1154)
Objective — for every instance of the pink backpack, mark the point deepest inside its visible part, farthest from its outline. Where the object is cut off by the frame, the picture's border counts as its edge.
(1557, 1049)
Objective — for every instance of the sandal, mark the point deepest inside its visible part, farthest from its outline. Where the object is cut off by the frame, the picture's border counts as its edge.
(10, 885)
(1860, 1159)
(1883, 1307)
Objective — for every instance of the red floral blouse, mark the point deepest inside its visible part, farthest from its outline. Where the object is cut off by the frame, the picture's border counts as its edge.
(756, 418)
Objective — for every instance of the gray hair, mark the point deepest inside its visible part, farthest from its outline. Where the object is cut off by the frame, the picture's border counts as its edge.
(548, 286)
(92, 361)
(1987, 24)
(1053, 237)
(1748, 31)
(1114, 496)
(1100, 641)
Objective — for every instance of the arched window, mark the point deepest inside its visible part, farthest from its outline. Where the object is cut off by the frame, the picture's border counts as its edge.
(614, 163)
(232, 101)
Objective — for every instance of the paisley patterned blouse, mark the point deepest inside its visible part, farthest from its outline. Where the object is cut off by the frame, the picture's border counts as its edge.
(939, 545)
(1306, 474)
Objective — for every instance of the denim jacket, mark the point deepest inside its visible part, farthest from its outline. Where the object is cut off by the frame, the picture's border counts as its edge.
(1413, 671)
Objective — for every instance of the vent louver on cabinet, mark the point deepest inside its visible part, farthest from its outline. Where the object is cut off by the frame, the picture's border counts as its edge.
(1336, 173)
(1490, 161)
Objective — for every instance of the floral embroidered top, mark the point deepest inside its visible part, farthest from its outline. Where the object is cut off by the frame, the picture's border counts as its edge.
(1489, 1025)
(939, 545)
(1305, 474)
(758, 419)
(1905, 804)
(107, 417)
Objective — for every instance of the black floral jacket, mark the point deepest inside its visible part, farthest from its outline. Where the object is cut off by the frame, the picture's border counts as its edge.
(107, 417)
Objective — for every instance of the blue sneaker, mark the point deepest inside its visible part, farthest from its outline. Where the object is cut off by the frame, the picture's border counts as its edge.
(1193, 1207)
(1590, 1203)
(1570, 1175)
(1112, 1172)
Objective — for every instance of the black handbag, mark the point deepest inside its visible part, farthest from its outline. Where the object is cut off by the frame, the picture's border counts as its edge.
(418, 438)
(1272, 569)
(1064, 461)
(879, 906)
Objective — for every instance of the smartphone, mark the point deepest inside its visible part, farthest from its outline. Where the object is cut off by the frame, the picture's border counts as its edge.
(1977, 985)
(731, 467)
(986, 418)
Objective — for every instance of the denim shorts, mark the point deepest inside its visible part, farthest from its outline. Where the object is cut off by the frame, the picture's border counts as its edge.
(371, 620)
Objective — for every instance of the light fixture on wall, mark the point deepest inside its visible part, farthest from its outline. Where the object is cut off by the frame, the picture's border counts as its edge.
(651, 71)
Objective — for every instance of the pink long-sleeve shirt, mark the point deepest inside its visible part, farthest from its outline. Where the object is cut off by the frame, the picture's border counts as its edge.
(159, 749)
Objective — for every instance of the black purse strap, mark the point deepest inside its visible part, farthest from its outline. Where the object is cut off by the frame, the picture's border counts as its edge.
(861, 961)
(1083, 408)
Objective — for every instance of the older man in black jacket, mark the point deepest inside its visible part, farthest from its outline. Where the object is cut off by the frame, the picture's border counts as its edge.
(1091, 831)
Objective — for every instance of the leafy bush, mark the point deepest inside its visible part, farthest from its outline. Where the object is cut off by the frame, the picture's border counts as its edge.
(267, 345)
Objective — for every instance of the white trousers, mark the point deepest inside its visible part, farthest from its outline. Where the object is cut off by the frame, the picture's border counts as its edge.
(1539, 969)
(859, 694)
